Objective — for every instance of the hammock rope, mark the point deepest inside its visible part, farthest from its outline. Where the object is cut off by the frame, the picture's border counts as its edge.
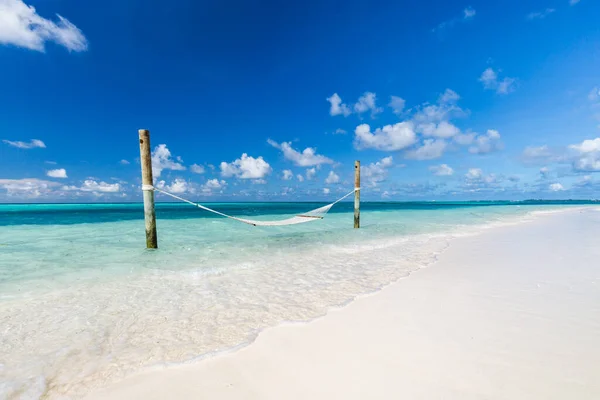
(309, 216)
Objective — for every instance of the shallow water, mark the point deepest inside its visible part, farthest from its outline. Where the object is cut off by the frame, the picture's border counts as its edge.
(82, 303)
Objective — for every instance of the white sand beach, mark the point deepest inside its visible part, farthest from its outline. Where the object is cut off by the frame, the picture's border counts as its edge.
(512, 313)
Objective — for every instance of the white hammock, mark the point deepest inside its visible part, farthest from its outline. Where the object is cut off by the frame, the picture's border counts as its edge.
(309, 216)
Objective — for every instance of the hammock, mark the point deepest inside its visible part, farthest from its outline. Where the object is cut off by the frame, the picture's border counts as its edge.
(309, 216)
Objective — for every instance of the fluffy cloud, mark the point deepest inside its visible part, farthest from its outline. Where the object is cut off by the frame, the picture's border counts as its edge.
(376, 172)
(213, 185)
(556, 187)
(124, 162)
(490, 81)
(246, 167)
(310, 173)
(434, 119)
(177, 186)
(587, 155)
(389, 138)
(307, 158)
(337, 107)
(442, 130)
(474, 174)
(332, 178)
(486, 143)
(300, 178)
(430, 150)
(287, 175)
(429, 120)
(90, 185)
(22, 26)
(540, 14)
(441, 170)
(161, 160)
(339, 131)
(28, 188)
(366, 102)
(397, 104)
(57, 173)
(33, 143)
(326, 191)
(197, 169)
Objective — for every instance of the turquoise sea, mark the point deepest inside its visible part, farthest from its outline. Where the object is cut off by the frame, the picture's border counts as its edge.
(83, 304)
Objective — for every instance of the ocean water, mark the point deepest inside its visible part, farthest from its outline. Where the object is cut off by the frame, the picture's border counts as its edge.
(83, 304)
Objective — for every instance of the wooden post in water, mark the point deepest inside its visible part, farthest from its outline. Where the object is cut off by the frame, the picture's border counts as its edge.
(357, 194)
(149, 213)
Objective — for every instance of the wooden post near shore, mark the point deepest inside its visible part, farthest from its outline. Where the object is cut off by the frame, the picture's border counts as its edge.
(357, 194)
(147, 184)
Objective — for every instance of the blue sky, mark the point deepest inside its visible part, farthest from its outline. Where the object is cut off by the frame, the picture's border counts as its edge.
(274, 100)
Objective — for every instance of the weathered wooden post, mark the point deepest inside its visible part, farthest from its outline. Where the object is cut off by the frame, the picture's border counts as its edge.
(357, 194)
(147, 188)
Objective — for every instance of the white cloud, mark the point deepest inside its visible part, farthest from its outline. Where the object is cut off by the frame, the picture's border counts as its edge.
(339, 131)
(376, 172)
(441, 170)
(332, 178)
(326, 191)
(246, 167)
(22, 26)
(177, 186)
(540, 14)
(490, 81)
(587, 155)
(486, 143)
(474, 174)
(573, 2)
(442, 130)
(464, 139)
(300, 178)
(215, 184)
(259, 182)
(124, 162)
(337, 107)
(430, 150)
(310, 173)
(197, 169)
(287, 174)
(33, 143)
(544, 172)
(366, 102)
(587, 146)
(397, 104)
(57, 173)
(91, 185)
(556, 187)
(307, 158)
(449, 96)
(27, 187)
(389, 138)
(161, 159)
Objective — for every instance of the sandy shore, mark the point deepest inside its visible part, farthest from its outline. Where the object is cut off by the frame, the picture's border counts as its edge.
(513, 313)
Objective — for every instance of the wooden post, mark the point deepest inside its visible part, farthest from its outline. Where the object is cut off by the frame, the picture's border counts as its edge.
(149, 213)
(357, 194)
